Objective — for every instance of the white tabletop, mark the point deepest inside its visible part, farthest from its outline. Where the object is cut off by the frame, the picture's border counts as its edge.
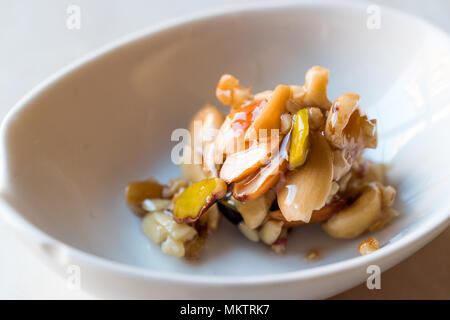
(36, 42)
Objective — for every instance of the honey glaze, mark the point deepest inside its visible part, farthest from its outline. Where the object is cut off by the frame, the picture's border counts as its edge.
(267, 177)
(243, 117)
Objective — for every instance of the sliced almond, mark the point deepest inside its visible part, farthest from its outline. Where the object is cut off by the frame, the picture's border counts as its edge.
(209, 116)
(318, 216)
(266, 177)
(228, 140)
(341, 163)
(254, 186)
(339, 117)
(210, 163)
(240, 164)
(369, 131)
(201, 129)
(286, 123)
(347, 126)
(307, 188)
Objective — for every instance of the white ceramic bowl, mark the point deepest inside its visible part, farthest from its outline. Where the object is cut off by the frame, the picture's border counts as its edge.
(71, 145)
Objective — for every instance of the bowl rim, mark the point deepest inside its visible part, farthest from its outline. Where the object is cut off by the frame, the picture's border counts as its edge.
(437, 223)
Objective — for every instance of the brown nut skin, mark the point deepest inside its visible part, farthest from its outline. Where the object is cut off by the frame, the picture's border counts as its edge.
(241, 164)
(255, 186)
(266, 178)
(214, 199)
(318, 216)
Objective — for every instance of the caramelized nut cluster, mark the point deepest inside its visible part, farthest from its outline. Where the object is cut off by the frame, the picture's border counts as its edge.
(177, 238)
(281, 158)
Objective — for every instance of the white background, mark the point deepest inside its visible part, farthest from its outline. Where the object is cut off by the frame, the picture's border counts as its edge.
(35, 43)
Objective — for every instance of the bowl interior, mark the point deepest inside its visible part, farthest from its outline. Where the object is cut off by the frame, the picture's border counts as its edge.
(73, 148)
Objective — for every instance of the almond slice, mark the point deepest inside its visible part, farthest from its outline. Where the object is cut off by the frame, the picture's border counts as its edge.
(240, 164)
(203, 123)
(307, 188)
(210, 117)
(318, 216)
(341, 112)
(256, 185)
(228, 140)
(210, 163)
(265, 178)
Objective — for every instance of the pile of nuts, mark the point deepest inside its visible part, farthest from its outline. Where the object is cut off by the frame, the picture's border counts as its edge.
(158, 224)
(280, 159)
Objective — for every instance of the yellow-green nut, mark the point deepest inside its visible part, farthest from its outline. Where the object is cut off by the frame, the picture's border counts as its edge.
(197, 198)
(300, 139)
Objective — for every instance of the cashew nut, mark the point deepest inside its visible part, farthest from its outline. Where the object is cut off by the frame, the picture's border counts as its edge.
(358, 217)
